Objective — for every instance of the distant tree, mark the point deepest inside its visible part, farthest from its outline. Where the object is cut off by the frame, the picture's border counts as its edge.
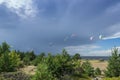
(113, 69)
(88, 69)
(32, 55)
(42, 55)
(26, 60)
(97, 71)
(39, 58)
(22, 54)
(76, 56)
(4, 48)
(29, 57)
(66, 55)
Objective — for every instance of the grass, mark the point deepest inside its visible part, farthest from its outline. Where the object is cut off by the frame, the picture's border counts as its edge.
(114, 78)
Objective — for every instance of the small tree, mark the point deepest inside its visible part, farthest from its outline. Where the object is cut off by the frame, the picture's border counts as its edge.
(66, 55)
(43, 73)
(4, 48)
(29, 57)
(88, 69)
(76, 56)
(39, 58)
(113, 69)
(97, 71)
(77, 67)
(9, 62)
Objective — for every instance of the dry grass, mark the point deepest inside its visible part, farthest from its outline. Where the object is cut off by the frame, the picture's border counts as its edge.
(98, 64)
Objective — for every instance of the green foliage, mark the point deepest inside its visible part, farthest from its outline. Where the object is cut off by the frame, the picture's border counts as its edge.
(22, 54)
(9, 62)
(76, 56)
(113, 69)
(43, 73)
(113, 78)
(14, 60)
(29, 57)
(88, 69)
(77, 67)
(4, 48)
(66, 55)
(55, 66)
(97, 71)
(38, 59)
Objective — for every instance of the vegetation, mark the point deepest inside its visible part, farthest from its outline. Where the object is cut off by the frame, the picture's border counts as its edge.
(113, 69)
(14, 76)
(9, 60)
(53, 67)
(88, 69)
(97, 71)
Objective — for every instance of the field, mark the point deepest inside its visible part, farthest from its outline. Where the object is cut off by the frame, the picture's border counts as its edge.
(97, 63)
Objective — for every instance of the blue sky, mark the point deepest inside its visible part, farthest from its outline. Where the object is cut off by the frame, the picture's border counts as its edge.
(51, 25)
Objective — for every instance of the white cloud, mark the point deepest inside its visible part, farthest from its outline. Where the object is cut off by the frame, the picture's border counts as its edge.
(100, 53)
(84, 50)
(114, 36)
(23, 8)
(89, 50)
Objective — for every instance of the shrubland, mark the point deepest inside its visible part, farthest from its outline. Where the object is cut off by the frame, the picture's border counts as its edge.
(60, 66)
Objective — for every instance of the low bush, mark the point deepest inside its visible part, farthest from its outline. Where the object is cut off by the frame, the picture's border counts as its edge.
(14, 76)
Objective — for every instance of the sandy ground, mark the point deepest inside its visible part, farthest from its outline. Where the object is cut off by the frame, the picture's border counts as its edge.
(29, 69)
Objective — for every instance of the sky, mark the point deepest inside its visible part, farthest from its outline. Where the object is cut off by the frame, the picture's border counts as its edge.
(88, 27)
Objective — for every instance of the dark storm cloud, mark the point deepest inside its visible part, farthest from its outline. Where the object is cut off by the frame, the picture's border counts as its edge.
(57, 20)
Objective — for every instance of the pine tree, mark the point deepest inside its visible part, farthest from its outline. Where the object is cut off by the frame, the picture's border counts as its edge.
(113, 69)
(97, 71)
(88, 69)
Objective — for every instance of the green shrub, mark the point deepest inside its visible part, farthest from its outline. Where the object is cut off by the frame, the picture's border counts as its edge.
(42, 73)
(88, 69)
(97, 71)
(101, 60)
(9, 62)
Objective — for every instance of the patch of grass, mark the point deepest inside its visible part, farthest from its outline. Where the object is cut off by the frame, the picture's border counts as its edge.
(114, 78)
(80, 77)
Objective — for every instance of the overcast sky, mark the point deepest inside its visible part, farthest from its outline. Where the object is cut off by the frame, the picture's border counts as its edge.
(51, 25)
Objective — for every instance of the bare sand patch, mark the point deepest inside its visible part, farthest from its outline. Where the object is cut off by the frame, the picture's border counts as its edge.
(29, 69)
